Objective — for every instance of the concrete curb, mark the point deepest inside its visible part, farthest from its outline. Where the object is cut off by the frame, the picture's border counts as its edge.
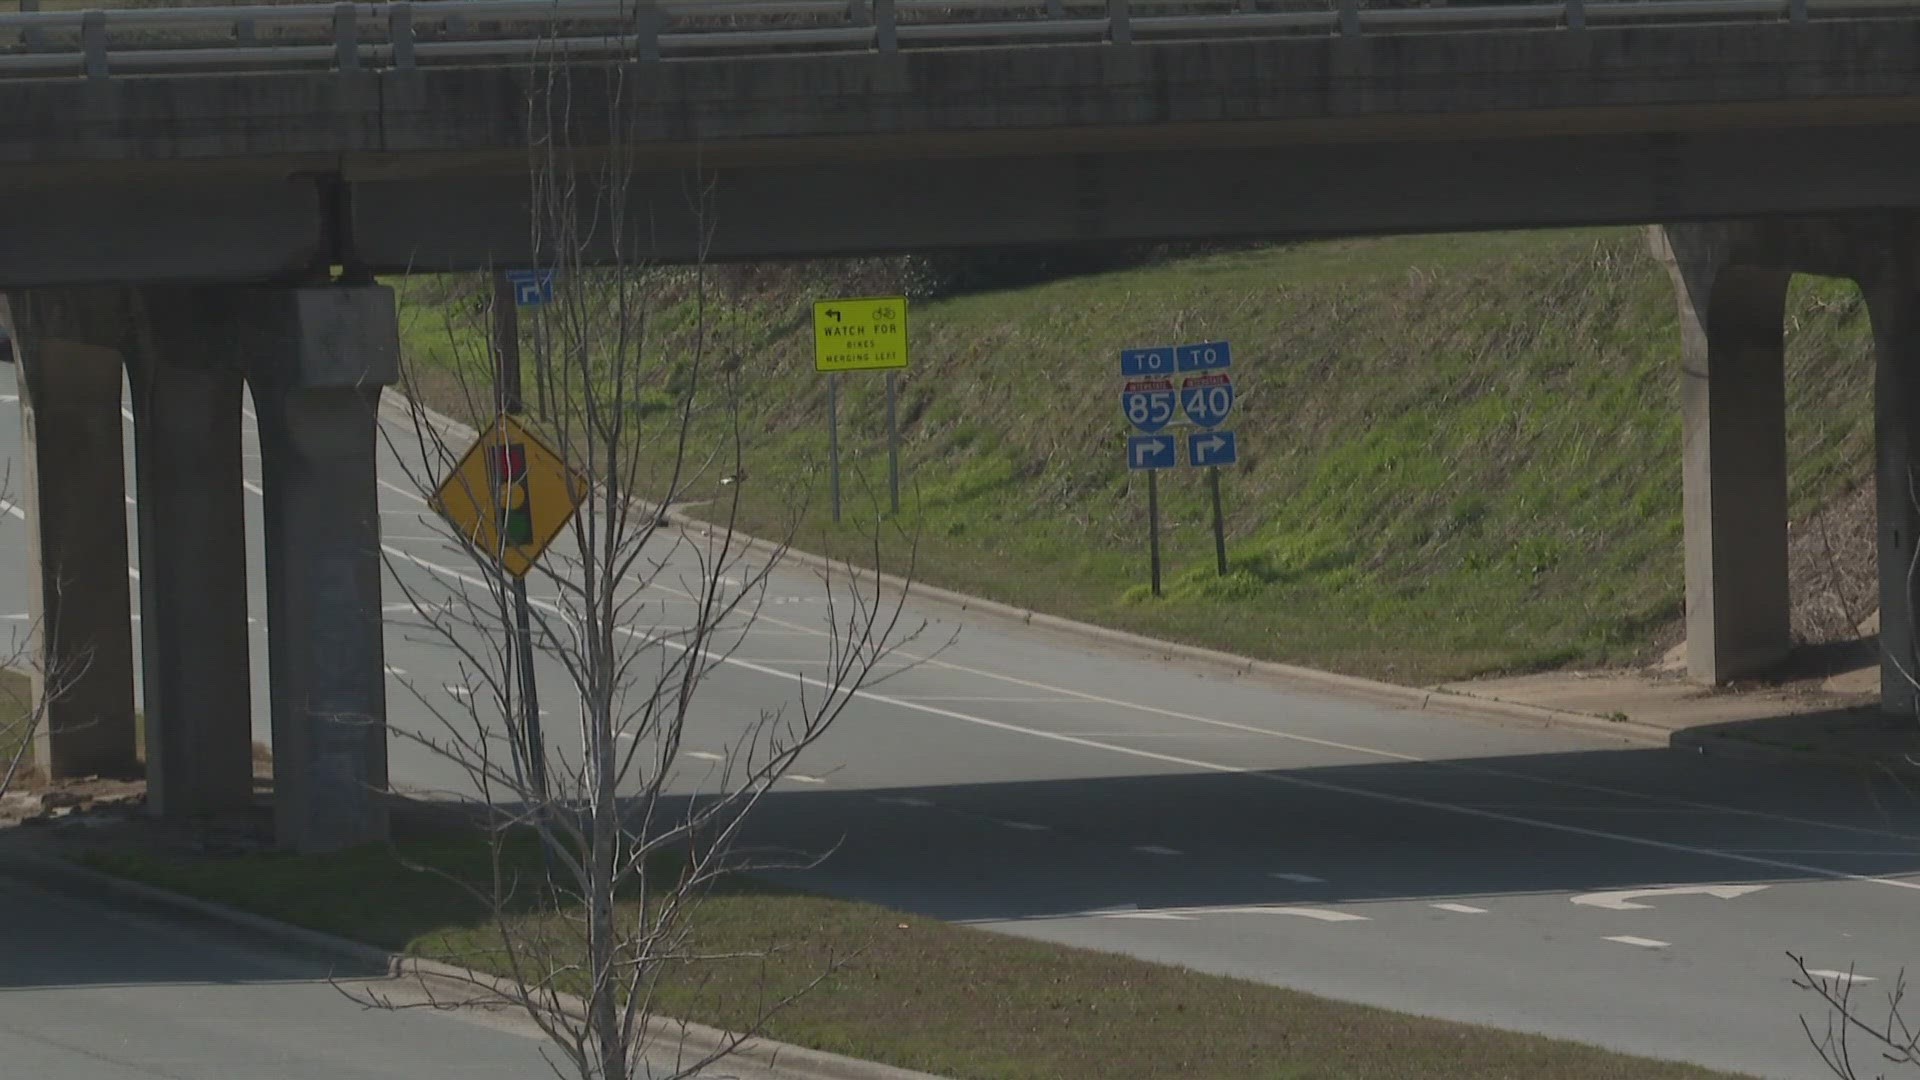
(798, 1062)
(1349, 686)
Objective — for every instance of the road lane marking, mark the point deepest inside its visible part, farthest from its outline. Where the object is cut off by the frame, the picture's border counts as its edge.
(1626, 899)
(1460, 909)
(706, 755)
(457, 691)
(1156, 849)
(1298, 879)
(903, 800)
(12, 508)
(1841, 976)
(1023, 826)
(1641, 942)
(1163, 916)
(802, 778)
(398, 673)
(978, 697)
(1188, 914)
(1254, 774)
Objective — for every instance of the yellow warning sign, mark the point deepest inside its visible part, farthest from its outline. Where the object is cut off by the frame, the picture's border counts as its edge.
(868, 334)
(510, 495)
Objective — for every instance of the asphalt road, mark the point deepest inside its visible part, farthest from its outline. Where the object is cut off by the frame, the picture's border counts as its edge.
(1043, 786)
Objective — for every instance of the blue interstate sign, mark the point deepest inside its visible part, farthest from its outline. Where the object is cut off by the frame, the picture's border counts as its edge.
(1137, 363)
(1148, 403)
(531, 288)
(1151, 452)
(1206, 356)
(1210, 448)
(1207, 399)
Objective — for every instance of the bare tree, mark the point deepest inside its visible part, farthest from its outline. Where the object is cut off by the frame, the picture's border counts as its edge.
(635, 388)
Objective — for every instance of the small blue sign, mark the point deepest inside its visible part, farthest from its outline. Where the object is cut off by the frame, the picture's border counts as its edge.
(1151, 452)
(531, 288)
(1210, 448)
(1146, 362)
(1207, 399)
(1149, 403)
(1206, 356)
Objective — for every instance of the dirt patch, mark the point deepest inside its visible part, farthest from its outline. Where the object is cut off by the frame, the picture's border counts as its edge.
(1832, 570)
(63, 799)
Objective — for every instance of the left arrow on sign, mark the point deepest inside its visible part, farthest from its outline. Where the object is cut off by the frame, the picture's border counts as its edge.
(1623, 899)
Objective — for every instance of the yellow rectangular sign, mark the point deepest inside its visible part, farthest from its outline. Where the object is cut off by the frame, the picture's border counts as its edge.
(868, 334)
(510, 495)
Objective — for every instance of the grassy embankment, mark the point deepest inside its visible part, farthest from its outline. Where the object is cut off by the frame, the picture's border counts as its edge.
(1459, 455)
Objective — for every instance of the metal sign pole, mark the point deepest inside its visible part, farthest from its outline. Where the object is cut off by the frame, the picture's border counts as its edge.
(1153, 527)
(506, 343)
(1219, 525)
(833, 441)
(893, 448)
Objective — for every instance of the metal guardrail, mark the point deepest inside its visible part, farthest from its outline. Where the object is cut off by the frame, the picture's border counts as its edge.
(355, 37)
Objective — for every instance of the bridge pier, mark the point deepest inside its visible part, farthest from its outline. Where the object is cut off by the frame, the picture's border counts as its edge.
(317, 360)
(74, 506)
(1733, 453)
(193, 551)
(1736, 621)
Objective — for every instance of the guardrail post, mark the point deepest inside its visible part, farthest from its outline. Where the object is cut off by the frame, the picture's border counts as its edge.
(93, 40)
(646, 30)
(243, 31)
(1576, 14)
(1797, 10)
(1119, 22)
(346, 38)
(400, 32)
(1349, 18)
(886, 27)
(32, 37)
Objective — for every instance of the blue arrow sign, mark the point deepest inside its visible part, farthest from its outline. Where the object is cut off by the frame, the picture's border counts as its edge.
(1146, 362)
(1206, 356)
(531, 288)
(1210, 448)
(1151, 452)
(1148, 403)
(1207, 399)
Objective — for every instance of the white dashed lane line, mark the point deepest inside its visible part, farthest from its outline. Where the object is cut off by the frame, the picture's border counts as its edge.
(1156, 849)
(1297, 879)
(1460, 909)
(1639, 942)
(1840, 976)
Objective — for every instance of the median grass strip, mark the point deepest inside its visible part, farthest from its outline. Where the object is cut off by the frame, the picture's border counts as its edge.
(912, 992)
(1460, 455)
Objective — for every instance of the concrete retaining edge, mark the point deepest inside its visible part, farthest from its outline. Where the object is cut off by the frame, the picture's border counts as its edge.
(799, 1062)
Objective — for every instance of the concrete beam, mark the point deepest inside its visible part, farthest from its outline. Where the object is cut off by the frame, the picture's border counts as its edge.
(193, 586)
(81, 645)
(316, 360)
(1734, 453)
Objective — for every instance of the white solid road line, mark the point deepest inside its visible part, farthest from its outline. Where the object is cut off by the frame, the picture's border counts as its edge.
(1840, 976)
(1460, 909)
(1162, 916)
(1641, 942)
(1251, 773)
(1187, 914)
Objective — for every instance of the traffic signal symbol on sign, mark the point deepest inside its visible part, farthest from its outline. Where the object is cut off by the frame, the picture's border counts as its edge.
(510, 495)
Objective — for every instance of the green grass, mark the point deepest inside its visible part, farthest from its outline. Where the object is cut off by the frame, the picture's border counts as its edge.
(1460, 455)
(913, 992)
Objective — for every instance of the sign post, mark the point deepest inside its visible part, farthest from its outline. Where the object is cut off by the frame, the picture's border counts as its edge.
(866, 334)
(1207, 399)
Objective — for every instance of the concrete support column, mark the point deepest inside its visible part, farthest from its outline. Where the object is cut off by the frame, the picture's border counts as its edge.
(74, 498)
(193, 554)
(1893, 299)
(1734, 456)
(317, 359)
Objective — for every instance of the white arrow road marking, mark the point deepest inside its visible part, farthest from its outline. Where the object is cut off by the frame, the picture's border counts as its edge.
(1623, 899)
(1460, 909)
(1843, 976)
(1642, 942)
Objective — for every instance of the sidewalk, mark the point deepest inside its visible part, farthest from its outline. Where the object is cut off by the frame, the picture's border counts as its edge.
(1823, 709)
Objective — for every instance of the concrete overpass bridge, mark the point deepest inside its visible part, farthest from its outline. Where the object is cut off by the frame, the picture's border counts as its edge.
(178, 187)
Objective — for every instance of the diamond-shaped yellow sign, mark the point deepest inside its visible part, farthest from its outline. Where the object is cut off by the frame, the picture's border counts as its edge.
(510, 495)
